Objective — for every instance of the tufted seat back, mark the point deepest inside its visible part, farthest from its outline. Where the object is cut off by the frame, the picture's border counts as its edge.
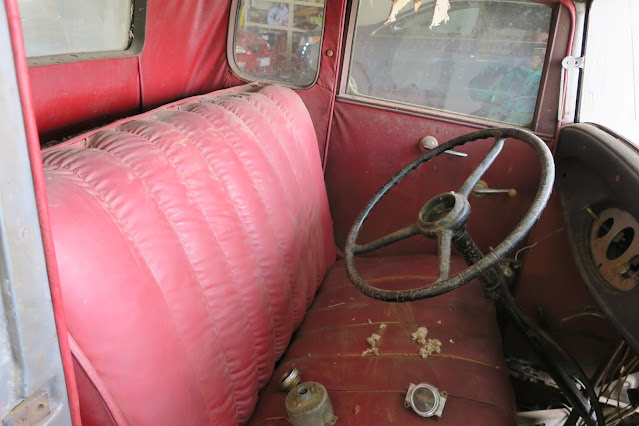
(190, 242)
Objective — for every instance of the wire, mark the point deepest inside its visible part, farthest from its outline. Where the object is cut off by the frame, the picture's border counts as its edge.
(598, 379)
(540, 341)
(538, 241)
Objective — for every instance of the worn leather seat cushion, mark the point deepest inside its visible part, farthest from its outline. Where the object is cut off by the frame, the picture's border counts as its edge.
(190, 242)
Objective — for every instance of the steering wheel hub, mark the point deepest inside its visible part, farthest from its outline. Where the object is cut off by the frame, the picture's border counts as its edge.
(447, 211)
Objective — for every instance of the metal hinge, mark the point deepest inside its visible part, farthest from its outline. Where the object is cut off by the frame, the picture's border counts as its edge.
(570, 62)
(31, 411)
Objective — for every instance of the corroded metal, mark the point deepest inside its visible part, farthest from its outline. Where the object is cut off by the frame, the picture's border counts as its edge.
(290, 379)
(620, 272)
(307, 404)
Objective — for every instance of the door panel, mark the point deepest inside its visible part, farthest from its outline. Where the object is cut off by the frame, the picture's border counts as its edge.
(368, 146)
(374, 134)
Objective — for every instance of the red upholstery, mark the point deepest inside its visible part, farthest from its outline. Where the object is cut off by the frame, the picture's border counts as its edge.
(190, 242)
(370, 390)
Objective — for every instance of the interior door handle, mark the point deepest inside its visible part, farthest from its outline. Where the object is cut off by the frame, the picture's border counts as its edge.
(429, 142)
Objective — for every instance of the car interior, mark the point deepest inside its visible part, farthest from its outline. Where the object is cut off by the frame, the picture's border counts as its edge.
(318, 212)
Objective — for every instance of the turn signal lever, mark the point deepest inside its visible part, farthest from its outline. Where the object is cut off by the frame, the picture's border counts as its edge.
(481, 189)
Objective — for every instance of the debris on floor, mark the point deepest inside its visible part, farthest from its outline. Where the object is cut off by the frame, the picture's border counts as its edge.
(428, 346)
(372, 341)
(420, 335)
(432, 346)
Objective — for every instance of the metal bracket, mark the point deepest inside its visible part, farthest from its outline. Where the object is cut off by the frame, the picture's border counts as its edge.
(570, 62)
(31, 411)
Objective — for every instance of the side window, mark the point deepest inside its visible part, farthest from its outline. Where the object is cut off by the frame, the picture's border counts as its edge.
(71, 30)
(278, 41)
(485, 62)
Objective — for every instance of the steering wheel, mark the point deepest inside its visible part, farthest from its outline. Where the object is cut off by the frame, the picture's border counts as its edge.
(444, 217)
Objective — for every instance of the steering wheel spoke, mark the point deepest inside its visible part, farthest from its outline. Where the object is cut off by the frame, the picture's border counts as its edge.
(445, 239)
(481, 168)
(386, 240)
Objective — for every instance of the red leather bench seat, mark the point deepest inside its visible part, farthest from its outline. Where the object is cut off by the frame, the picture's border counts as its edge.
(191, 241)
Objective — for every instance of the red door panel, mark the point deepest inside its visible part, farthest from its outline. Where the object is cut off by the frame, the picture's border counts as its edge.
(69, 98)
(369, 145)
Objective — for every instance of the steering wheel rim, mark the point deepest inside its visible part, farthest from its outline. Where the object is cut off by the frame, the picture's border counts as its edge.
(452, 228)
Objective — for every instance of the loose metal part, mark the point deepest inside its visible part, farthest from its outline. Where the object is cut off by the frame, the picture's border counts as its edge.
(290, 379)
(429, 142)
(481, 189)
(31, 411)
(425, 400)
(307, 404)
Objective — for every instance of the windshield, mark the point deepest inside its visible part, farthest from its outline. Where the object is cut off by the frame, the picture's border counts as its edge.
(485, 61)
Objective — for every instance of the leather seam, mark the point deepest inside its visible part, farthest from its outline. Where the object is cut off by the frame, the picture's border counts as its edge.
(196, 203)
(268, 160)
(313, 220)
(263, 202)
(321, 253)
(179, 241)
(100, 387)
(124, 230)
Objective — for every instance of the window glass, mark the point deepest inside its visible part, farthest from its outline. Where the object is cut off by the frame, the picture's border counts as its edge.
(57, 27)
(279, 41)
(610, 89)
(486, 61)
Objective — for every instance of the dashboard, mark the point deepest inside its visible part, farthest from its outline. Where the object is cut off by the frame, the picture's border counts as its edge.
(598, 184)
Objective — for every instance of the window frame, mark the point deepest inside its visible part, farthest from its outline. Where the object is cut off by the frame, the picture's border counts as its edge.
(247, 78)
(136, 44)
(544, 121)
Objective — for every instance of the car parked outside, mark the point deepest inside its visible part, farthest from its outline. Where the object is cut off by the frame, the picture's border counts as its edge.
(253, 54)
